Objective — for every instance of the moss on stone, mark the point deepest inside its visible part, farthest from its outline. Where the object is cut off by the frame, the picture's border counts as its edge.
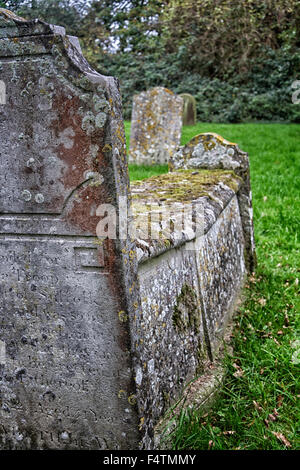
(184, 185)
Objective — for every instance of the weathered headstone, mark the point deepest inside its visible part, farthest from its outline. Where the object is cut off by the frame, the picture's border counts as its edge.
(189, 116)
(210, 151)
(155, 126)
(65, 367)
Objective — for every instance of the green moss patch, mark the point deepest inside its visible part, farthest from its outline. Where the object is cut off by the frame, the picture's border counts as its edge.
(183, 185)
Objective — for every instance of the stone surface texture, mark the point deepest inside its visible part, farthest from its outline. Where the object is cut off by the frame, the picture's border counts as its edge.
(99, 336)
(187, 295)
(164, 200)
(189, 281)
(155, 126)
(189, 116)
(66, 367)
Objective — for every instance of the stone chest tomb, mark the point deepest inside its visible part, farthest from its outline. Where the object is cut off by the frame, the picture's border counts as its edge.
(98, 336)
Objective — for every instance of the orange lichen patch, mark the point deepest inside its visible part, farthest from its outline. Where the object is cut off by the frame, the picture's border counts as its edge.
(107, 148)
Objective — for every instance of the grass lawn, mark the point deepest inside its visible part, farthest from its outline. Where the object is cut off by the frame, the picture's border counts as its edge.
(258, 407)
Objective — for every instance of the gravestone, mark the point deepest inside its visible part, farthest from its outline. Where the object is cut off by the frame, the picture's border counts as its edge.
(99, 335)
(211, 151)
(2, 92)
(155, 126)
(189, 117)
(65, 366)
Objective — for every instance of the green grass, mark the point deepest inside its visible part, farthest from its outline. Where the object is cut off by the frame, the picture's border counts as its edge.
(262, 399)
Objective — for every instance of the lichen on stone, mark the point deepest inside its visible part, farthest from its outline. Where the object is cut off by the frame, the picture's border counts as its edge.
(186, 312)
(183, 185)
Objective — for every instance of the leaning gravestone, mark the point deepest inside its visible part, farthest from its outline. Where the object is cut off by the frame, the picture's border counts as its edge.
(211, 151)
(155, 126)
(189, 116)
(65, 367)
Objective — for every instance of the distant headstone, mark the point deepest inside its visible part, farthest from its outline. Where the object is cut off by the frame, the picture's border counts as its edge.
(189, 117)
(65, 369)
(155, 126)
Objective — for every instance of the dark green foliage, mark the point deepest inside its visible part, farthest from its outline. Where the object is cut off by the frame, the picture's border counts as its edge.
(238, 58)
